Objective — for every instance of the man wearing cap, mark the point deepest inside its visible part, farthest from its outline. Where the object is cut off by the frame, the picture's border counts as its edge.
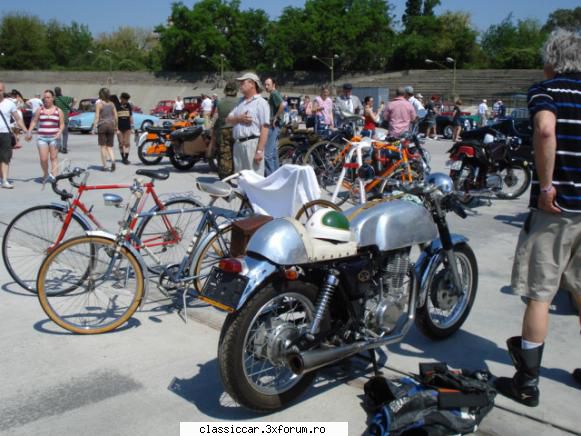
(416, 103)
(483, 113)
(348, 103)
(251, 119)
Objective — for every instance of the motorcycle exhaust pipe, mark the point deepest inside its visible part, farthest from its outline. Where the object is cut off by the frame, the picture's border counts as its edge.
(307, 361)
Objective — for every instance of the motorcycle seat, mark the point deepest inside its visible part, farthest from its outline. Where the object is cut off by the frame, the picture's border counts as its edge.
(321, 250)
(157, 129)
(215, 189)
(154, 174)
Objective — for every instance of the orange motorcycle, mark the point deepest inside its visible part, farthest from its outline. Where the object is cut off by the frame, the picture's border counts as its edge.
(153, 144)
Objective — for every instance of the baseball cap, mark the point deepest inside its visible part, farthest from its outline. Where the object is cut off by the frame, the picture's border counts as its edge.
(409, 90)
(419, 95)
(250, 76)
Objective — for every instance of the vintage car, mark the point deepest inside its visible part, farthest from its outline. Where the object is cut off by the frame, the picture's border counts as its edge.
(163, 109)
(192, 104)
(83, 122)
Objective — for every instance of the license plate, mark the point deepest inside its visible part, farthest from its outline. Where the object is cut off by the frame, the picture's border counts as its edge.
(454, 164)
(224, 289)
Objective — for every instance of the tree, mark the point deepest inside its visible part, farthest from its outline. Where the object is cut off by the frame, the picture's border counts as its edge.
(436, 37)
(68, 44)
(566, 18)
(413, 8)
(429, 6)
(510, 45)
(24, 44)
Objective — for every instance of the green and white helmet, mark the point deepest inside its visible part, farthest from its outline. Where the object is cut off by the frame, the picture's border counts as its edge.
(329, 224)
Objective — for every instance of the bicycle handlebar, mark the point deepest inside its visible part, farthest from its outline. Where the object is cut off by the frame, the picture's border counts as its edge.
(65, 195)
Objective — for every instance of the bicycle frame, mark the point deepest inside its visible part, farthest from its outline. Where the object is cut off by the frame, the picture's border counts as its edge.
(76, 203)
(357, 148)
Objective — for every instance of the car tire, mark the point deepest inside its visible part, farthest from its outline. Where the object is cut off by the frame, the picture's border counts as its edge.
(85, 132)
(448, 131)
(146, 123)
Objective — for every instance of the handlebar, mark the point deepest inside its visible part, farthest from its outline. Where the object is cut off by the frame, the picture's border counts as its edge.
(63, 194)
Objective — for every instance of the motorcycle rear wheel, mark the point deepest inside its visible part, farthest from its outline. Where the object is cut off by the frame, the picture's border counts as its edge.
(517, 177)
(430, 317)
(287, 310)
(181, 162)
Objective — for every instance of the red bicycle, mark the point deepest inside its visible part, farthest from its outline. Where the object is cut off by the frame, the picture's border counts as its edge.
(34, 232)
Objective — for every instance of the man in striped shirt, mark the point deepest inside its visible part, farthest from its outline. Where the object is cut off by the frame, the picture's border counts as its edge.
(548, 253)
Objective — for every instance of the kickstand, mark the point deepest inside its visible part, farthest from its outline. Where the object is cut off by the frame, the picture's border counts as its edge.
(373, 358)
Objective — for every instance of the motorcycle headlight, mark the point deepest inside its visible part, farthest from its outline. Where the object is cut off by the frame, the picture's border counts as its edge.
(441, 181)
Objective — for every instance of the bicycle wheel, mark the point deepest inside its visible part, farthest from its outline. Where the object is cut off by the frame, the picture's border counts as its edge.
(327, 162)
(311, 207)
(29, 236)
(148, 152)
(218, 247)
(165, 238)
(90, 285)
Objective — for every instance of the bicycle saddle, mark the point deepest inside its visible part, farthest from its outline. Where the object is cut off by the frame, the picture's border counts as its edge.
(154, 174)
(217, 188)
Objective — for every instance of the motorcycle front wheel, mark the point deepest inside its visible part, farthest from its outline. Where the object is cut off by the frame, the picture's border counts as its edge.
(443, 313)
(251, 352)
(516, 178)
(146, 152)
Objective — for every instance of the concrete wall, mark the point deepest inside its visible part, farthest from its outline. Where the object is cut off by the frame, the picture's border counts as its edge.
(147, 88)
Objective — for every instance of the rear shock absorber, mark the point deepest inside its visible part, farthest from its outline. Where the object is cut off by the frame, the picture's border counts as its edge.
(331, 283)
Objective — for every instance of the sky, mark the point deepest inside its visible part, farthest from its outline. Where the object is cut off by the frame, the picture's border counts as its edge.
(109, 15)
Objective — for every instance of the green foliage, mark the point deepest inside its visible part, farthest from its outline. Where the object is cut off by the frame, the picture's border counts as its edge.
(215, 34)
(514, 45)
(436, 37)
(566, 18)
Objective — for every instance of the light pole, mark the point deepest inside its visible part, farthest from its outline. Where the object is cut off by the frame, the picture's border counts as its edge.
(441, 65)
(331, 66)
(109, 53)
(222, 59)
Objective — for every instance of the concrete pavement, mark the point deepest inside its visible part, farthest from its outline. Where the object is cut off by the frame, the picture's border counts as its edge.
(157, 371)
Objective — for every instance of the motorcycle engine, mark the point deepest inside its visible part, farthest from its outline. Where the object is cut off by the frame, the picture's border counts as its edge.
(387, 303)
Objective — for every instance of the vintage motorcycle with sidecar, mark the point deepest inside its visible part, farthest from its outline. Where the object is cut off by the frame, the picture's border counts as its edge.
(304, 297)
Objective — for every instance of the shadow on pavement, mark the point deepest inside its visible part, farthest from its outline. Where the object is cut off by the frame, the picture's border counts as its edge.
(513, 220)
(15, 289)
(49, 327)
(205, 390)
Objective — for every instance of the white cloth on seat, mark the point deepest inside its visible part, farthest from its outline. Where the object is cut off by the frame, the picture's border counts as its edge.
(282, 193)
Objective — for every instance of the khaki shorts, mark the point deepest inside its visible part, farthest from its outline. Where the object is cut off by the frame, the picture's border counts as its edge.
(548, 256)
(243, 155)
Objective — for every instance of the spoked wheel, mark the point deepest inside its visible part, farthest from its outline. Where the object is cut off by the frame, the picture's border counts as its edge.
(515, 181)
(327, 161)
(181, 161)
(461, 179)
(218, 247)
(90, 285)
(29, 236)
(252, 352)
(444, 311)
(165, 238)
(286, 153)
(151, 152)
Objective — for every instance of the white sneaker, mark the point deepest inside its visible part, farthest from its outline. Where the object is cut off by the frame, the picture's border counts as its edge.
(7, 185)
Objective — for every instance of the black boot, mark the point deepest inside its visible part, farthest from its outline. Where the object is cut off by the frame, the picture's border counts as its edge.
(523, 387)
(577, 375)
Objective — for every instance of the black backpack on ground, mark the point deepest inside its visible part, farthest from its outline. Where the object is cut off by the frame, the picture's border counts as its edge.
(439, 401)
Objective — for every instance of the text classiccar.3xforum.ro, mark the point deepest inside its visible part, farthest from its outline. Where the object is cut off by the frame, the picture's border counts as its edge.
(263, 429)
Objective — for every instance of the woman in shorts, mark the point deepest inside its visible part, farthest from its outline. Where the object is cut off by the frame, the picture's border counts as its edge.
(106, 125)
(456, 121)
(51, 122)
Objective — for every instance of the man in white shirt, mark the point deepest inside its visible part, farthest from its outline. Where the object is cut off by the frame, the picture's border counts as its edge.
(483, 113)
(7, 109)
(251, 119)
(178, 107)
(207, 105)
(417, 104)
(34, 103)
